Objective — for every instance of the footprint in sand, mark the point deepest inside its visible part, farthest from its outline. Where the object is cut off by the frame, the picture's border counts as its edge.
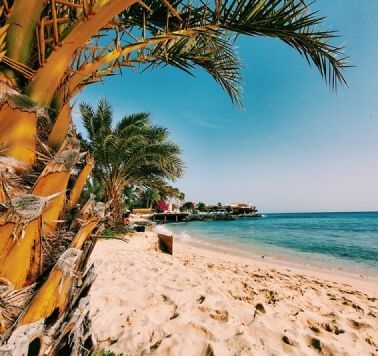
(170, 302)
(351, 304)
(371, 342)
(332, 328)
(166, 299)
(200, 331)
(315, 343)
(156, 339)
(260, 308)
(220, 315)
(286, 340)
(207, 350)
(318, 345)
(201, 299)
(358, 325)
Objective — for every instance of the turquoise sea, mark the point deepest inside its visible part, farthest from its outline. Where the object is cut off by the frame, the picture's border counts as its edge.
(341, 241)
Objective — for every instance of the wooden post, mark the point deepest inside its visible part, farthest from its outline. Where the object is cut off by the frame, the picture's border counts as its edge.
(166, 243)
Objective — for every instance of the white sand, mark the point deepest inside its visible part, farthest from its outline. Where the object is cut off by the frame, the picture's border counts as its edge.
(199, 302)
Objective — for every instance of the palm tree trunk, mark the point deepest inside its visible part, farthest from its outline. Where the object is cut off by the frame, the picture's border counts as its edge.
(46, 82)
(34, 232)
(114, 197)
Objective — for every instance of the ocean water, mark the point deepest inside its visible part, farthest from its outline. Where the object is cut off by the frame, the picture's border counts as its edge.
(344, 241)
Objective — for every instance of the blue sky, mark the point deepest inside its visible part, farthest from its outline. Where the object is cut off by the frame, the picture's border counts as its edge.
(296, 145)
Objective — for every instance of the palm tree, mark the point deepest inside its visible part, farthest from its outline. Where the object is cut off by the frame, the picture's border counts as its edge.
(49, 51)
(131, 195)
(166, 191)
(148, 194)
(134, 152)
(151, 196)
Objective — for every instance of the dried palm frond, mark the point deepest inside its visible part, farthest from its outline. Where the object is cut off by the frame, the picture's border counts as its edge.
(53, 180)
(12, 302)
(11, 182)
(89, 209)
(53, 245)
(3, 33)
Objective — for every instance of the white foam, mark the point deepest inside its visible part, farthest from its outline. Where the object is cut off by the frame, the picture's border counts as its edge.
(162, 229)
(183, 235)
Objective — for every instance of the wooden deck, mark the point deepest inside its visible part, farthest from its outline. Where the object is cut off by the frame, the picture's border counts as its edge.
(169, 217)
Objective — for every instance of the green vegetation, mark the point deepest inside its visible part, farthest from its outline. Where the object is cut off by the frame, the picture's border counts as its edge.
(103, 352)
(134, 152)
(201, 206)
(187, 206)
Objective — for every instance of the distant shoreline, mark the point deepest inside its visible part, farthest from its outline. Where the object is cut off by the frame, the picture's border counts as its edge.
(361, 280)
(281, 260)
(323, 212)
(341, 242)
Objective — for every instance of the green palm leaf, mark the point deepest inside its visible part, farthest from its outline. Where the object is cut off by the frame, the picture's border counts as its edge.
(134, 152)
(288, 20)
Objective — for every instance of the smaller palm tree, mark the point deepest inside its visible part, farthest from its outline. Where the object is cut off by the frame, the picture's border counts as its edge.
(151, 196)
(133, 152)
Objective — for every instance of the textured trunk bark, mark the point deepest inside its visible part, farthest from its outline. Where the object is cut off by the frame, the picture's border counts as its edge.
(114, 196)
(38, 314)
(46, 82)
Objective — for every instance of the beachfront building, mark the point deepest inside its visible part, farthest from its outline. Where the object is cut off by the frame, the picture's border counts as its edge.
(235, 209)
(242, 208)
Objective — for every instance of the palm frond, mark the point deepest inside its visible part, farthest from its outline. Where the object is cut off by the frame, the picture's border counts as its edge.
(104, 115)
(133, 120)
(292, 22)
(87, 115)
(209, 50)
(218, 23)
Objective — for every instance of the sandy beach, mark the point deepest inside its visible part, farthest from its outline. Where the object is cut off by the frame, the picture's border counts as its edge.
(201, 302)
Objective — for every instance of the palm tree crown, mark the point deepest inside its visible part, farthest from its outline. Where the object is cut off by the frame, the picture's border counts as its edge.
(133, 152)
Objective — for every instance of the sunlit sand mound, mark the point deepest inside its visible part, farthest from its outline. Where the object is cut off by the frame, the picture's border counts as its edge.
(201, 303)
